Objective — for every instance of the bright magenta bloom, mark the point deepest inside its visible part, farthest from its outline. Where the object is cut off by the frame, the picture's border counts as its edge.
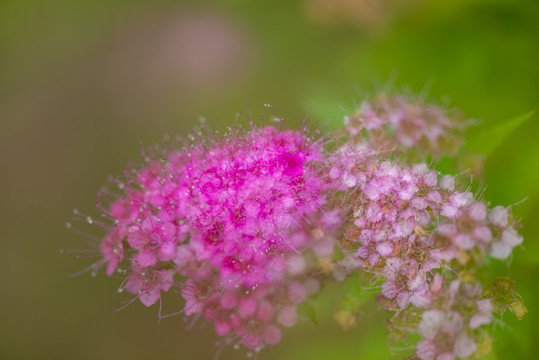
(233, 218)
(244, 199)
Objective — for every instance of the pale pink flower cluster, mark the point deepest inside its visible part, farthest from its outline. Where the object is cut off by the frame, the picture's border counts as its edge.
(410, 225)
(407, 223)
(404, 123)
(245, 227)
(449, 327)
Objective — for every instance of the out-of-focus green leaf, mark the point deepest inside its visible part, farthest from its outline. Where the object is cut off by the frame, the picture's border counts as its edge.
(309, 310)
(327, 111)
(354, 286)
(489, 139)
(349, 314)
(503, 295)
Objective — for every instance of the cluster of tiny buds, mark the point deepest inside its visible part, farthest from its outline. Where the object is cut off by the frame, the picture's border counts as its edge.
(248, 225)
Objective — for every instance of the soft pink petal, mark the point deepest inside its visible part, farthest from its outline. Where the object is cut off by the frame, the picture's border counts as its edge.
(265, 312)
(222, 328)
(478, 320)
(426, 350)
(288, 316)
(149, 298)
(464, 346)
(272, 335)
(136, 238)
(498, 216)
(167, 251)
(146, 257)
(430, 323)
(247, 307)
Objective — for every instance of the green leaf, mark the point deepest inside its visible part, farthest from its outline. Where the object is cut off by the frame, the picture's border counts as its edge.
(354, 286)
(309, 310)
(491, 138)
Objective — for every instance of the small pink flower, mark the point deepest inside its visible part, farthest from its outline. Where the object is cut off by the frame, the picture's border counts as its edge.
(297, 293)
(124, 212)
(287, 316)
(197, 295)
(257, 329)
(112, 248)
(155, 240)
(484, 315)
(147, 284)
(498, 216)
(502, 249)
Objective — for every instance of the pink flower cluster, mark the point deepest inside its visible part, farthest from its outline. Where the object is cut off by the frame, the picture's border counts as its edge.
(234, 220)
(253, 316)
(246, 226)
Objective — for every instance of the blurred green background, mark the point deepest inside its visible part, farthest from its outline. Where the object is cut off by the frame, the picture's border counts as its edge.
(82, 82)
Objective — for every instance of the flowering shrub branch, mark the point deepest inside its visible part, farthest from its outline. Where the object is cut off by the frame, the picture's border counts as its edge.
(250, 224)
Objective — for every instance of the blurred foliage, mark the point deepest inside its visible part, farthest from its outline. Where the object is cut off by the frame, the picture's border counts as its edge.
(489, 139)
(502, 291)
(82, 81)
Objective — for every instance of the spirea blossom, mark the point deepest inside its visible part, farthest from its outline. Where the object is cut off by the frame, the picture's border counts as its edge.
(231, 223)
(245, 201)
(247, 226)
(242, 203)
(451, 328)
(405, 123)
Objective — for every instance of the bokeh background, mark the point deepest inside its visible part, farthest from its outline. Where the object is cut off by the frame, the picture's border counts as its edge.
(82, 82)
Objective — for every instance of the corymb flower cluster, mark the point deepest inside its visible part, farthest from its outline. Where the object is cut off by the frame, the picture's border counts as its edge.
(247, 225)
